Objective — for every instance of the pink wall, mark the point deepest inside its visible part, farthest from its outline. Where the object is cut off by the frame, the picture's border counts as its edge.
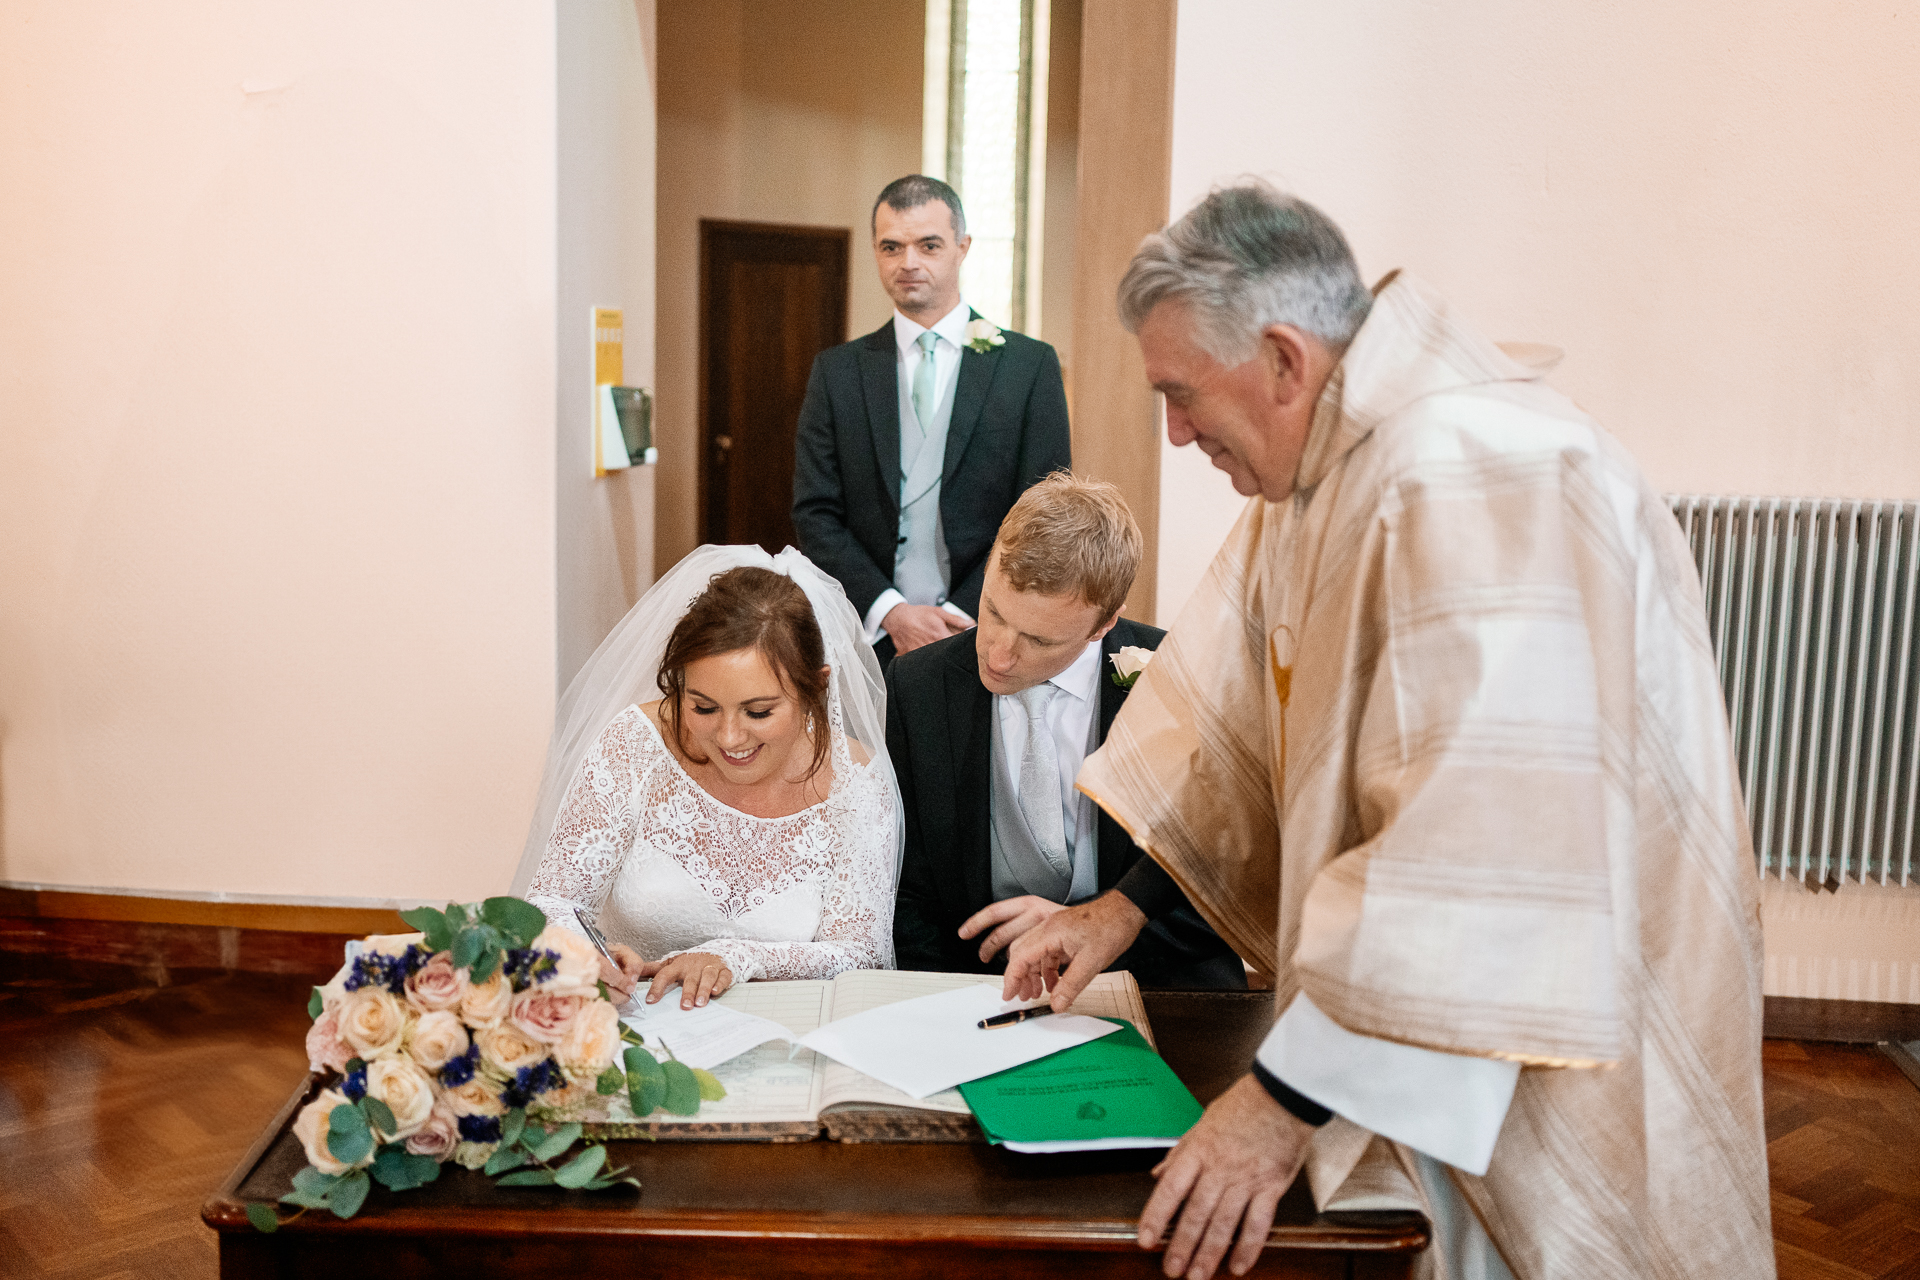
(277, 406)
(1709, 206)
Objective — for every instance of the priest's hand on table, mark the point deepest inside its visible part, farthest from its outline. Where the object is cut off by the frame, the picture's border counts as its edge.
(623, 979)
(1229, 1172)
(698, 974)
(1070, 948)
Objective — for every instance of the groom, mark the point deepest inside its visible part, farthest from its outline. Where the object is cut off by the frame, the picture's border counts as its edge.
(915, 440)
(987, 731)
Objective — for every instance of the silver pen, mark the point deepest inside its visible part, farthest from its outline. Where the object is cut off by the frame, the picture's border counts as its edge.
(598, 939)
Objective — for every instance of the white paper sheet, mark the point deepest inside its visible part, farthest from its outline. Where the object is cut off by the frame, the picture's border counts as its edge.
(923, 1046)
(703, 1037)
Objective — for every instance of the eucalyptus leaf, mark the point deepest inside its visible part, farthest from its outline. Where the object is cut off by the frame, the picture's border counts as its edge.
(557, 1141)
(511, 1126)
(518, 920)
(483, 968)
(425, 1169)
(438, 934)
(683, 1091)
(395, 1170)
(315, 1005)
(711, 1090)
(314, 1182)
(349, 1194)
(356, 1064)
(646, 1082)
(305, 1199)
(612, 1080)
(529, 1178)
(379, 1114)
(457, 917)
(504, 1159)
(262, 1217)
(579, 1171)
(348, 1138)
(467, 945)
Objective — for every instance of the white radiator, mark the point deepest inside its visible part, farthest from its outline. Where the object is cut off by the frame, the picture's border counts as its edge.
(1811, 605)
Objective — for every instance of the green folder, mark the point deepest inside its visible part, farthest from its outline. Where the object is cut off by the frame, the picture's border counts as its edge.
(1114, 1092)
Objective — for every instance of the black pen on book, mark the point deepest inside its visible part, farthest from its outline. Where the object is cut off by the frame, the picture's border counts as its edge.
(1017, 1015)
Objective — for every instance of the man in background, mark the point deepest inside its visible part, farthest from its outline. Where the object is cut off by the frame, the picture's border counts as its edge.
(987, 731)
(915, 440)
(1439, 743)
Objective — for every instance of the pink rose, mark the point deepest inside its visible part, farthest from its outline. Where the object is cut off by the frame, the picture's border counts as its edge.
(326, 1051)
(541, 1015)
(437, 985)
(438, 1137)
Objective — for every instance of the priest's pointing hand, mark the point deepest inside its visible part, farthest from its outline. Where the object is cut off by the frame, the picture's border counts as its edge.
(1229, 1172)
(1070, 948)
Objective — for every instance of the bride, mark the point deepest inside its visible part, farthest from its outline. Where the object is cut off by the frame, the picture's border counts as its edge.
(746, 823)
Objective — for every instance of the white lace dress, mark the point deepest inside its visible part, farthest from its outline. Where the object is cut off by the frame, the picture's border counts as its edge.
(668, 868)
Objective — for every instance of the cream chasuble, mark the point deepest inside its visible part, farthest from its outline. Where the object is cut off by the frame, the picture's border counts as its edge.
(1439, 741)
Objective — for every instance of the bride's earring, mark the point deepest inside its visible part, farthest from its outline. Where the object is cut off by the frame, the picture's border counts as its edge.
(809, 724)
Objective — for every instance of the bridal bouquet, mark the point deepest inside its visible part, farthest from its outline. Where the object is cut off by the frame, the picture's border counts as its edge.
(485, 1039)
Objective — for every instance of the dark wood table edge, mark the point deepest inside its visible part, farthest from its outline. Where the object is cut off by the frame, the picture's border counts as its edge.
(224, 1211)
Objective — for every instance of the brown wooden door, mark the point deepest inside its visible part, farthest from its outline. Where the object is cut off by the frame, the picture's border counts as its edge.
(771, 299)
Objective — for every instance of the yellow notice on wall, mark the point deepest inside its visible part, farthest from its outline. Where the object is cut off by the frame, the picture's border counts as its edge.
(609, 344)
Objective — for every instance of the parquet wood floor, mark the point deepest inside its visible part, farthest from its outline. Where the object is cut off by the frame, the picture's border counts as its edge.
(123, 1104)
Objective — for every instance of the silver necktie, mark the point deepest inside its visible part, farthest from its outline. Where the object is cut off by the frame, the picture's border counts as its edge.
(1040, 780)
(922, 390)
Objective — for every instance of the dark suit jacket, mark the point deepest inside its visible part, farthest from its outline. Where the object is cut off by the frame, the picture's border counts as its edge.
(1009, 429)
(939, 735)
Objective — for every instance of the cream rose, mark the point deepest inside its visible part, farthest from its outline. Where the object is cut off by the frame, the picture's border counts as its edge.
(438, 1136)
(540, 1015)
(373, 1022)
(592, 1042)
(407, 1091)
(577, 967)
(436, 1039)
(474, 1098)
(1130, 661)
(488, 1003)
(311, 1129)
(326, 1051)
(474, 1155)
(437, 985)
(506, 1049)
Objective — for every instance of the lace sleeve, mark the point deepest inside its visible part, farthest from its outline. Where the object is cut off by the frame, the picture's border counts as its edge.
(856, 916)
(595, 827)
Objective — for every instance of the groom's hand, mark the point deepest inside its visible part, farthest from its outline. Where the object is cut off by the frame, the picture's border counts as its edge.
(1009, 919)
(1071, 948)
(912, 625)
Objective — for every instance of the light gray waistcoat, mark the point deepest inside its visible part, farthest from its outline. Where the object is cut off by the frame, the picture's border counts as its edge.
(1017, 864)
(920, 566)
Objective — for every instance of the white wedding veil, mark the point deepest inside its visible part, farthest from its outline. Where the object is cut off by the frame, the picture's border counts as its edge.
(625, 670)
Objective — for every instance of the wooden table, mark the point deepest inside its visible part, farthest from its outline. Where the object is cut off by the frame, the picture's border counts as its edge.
(807, 1209)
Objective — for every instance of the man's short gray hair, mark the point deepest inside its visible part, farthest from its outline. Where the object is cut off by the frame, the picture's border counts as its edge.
(1244, 258)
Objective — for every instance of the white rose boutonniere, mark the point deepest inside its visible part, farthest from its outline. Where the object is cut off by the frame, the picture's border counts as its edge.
(1129, 663)
(984, 335)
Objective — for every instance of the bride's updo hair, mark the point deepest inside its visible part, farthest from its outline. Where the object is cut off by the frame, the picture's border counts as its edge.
(751, 608)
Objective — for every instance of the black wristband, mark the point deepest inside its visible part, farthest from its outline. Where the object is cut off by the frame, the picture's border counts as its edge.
(1304, 1109)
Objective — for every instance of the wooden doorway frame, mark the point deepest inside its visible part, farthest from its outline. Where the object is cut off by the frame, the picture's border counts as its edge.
(704, 435)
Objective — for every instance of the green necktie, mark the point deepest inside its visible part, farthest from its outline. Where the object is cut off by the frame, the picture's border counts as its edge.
(922, 393)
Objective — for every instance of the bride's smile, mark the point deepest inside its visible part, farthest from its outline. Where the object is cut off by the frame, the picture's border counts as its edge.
(742, 722)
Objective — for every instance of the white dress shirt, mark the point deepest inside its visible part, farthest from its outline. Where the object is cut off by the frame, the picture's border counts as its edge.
(1069, 717)
(950, 332)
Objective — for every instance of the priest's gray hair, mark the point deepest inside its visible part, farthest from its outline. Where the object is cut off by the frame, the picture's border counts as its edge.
(1246, 257)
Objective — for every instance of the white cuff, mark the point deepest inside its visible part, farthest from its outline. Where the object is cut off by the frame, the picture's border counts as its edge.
(958, 612)
(1444, 1105)
(878, 614)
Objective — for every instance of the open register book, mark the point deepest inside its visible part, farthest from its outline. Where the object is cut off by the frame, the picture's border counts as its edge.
(774, 1097)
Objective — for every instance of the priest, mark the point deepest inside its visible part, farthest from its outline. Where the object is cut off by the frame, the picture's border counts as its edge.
(1438, 746)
